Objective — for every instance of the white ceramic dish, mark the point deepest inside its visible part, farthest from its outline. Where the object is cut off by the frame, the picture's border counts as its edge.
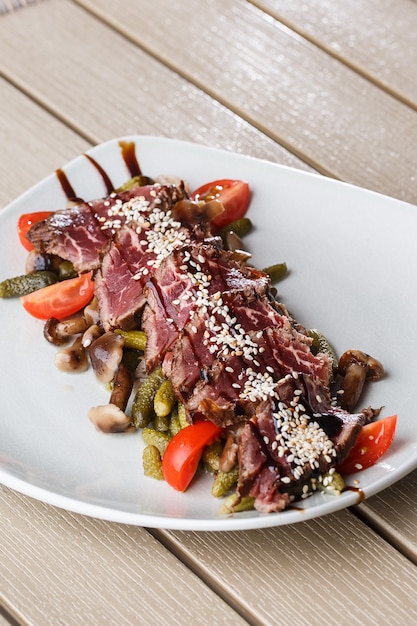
(351, 255)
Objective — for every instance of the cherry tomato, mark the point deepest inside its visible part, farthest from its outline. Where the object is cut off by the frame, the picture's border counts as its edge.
(61, 299)
(24, 223)
(233, 194)
(183, 453)
(373, 441)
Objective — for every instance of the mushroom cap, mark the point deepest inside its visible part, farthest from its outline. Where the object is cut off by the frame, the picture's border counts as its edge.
(72, 358)
(374, 368)
(105, 355)
(109, 418)
(51, 334)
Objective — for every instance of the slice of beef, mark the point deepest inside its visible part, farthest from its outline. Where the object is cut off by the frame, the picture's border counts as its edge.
(191, 286)
(79, 233)
(73, 234)
(292, 438)
(118, 286)
(236, 381)
(227, 344)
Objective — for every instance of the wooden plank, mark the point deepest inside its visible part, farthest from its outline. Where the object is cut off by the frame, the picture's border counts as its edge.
(376, 38)
(331, 570)
(126, 92)
(392, 513)
(323, 111)
(33, 143)
(57, 567)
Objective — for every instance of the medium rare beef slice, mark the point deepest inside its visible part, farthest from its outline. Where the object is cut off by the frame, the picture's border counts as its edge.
(189, 287)
(78, 233)
(227, 345)
(247, 368)
(119, 294)
(73, 234)
(292, 438)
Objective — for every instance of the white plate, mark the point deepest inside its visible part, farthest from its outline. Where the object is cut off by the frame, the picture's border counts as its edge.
(353, 268)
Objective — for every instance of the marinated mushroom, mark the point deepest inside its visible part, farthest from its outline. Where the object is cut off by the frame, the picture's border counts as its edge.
(92, 313)
(229, 455)
(105, 354)
(234, 243)
(122, 387)
(72, 358)
(36, 261)
(59, 332)
(111, 418)
(92, 333)
(356, 367)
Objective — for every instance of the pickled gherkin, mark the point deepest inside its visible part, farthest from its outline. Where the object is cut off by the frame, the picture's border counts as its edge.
(66, 270)
(174, 422)
(224, 481)
(133, 339)
(142, 407)
(234, 504)
(241, 227)
(26, 283)
(276, 272)
(152, 463)
(156, 438)
(136, 181)
(164, 399)
(211, 456)
(321, 344)
(182, 415)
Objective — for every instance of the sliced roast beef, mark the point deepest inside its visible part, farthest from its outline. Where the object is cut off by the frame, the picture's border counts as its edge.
(74, 234)
(119, 281)
(293, 437)
(233, 354)
(193, 285)
(78, 233)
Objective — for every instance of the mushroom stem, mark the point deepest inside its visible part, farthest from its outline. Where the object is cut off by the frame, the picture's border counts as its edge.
(111, 418)
(91, 334)
(59, 332)
(229, 454)
(122, 387)
(352, 386)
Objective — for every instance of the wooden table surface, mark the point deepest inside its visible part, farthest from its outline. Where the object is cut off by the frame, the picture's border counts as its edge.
(319, 85)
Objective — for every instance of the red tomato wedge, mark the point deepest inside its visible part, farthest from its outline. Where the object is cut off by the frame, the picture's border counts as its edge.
(373, 441)
(24, 223)
(183, 453)
(61, 299)
(233, 194)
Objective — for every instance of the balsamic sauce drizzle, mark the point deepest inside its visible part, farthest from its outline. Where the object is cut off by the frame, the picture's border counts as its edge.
(65, 184)
(106, 179)
(128, 152)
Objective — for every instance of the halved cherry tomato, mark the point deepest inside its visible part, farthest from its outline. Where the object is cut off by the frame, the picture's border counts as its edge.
(373, 441)
(233, 194)
(61, 299)
(183, 453)
(24, 223)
